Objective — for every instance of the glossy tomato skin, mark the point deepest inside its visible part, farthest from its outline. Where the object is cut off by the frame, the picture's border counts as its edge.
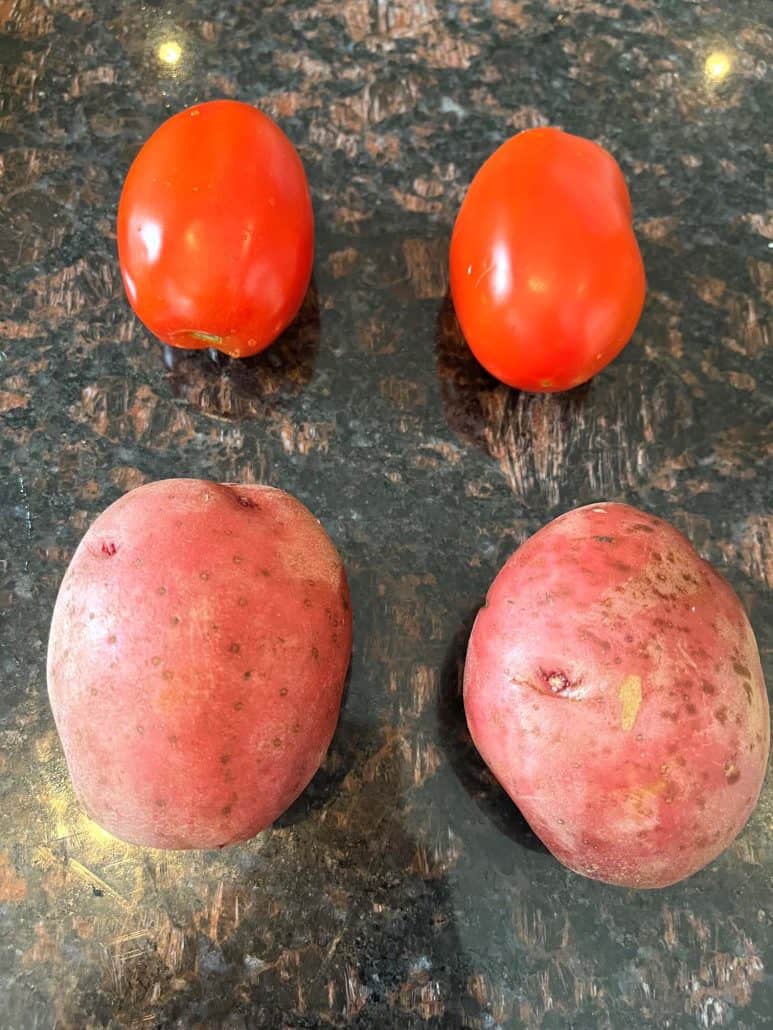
(216, 230)
(546, 274)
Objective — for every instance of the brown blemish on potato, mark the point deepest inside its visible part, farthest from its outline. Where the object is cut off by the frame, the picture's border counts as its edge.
(112, 638)
(238, 706)
(156, 659)
(160, 803)
(161, 591)
(604, 539)
(277, 742)
(225, 759)
(748, 689)
(691, 709)
(108, 548)
(641, 527)
(708, 688)
(315, 654)
(172, 738)
(203, 575)
(557, 681)
(225, 810)
(283, 691)
(175, 620)
(247, 674)
(630, 700)
(741, 670)
(168, 674)
(732, 775)
(234, 648)
(237, 559)
(140, 730)
(265, 572)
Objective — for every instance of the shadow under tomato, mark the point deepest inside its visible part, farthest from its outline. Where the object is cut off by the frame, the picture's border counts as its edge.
(486, 412)
(235, 388)
(469, 767)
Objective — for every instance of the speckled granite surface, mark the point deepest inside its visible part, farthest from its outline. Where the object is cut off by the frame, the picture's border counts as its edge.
(403, 889)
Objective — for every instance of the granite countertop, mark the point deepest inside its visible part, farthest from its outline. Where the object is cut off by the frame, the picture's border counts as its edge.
(402, 889)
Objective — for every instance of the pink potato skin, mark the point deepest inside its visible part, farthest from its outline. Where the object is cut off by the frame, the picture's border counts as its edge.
(196, 662)
(614, 688)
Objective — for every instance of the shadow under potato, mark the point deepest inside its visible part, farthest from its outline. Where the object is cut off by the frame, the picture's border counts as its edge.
(484, 411)
(469, 767)
(235, 388)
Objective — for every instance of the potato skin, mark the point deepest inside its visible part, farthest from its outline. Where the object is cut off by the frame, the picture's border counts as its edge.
(196, 661)
(614, 688)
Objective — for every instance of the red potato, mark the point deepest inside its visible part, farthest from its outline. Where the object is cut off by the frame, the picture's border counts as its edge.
(196, 661)
(614, 688)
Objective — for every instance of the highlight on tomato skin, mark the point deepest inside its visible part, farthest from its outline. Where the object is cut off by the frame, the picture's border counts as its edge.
(546, 274)
(216, 230)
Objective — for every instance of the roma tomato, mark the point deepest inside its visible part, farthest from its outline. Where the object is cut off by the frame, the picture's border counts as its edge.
(546, 275)
(216, 230)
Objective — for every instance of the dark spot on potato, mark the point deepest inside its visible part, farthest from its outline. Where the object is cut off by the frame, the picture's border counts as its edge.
(247, 674)
(238, 559)
(283, 691)
(307, 602)
(242, 602)
(234, 648)
(140, 730)
(111, 639)
(708, 688)
(690, 709)
(315, 654)
(238, 706)
(215, 627)
(203, 575)
(247, 502)
(225, 759)
(623, 567)
(296, 726)
(741, 670)
(604, 539)
(108, 548)
(345, 602)
(628, 638)
(334, 637)
(156, 659)
(94, 691)
(557, 681)
(160, 803)
(225, 810)
(671, 716)
(748, 690)
(168, 674)
(641, 527)
(161, 591)
(720, 714)
(732, 775)
(175, 620)
(172, 738)
(618, 660)
(265, 572)
(656, 556)
(277, 742)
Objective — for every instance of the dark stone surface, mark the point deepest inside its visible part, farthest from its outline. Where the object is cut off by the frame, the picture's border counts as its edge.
(402, 889)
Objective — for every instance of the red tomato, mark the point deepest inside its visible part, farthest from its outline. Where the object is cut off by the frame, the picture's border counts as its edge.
(546, 275)
(216, 230)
